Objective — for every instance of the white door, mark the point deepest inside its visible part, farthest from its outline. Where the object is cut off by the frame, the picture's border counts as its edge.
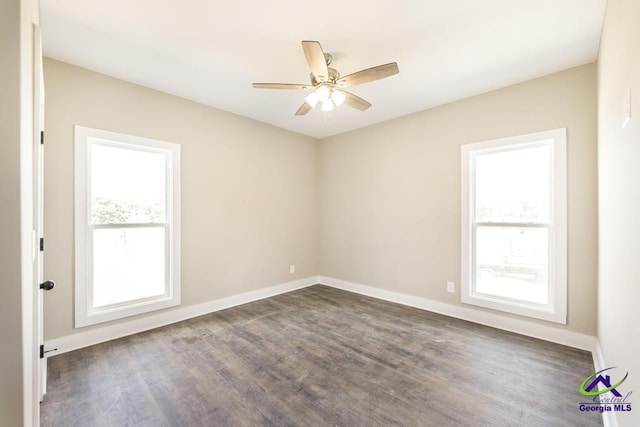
(40, 284)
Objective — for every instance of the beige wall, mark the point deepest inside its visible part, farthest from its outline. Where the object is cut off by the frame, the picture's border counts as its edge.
(619, 194)
(249, 190)
(390, 193)
(388, 196)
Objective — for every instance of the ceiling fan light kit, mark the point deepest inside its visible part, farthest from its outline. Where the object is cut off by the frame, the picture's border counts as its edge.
(328, 96)
(338, 97)
(326, 83)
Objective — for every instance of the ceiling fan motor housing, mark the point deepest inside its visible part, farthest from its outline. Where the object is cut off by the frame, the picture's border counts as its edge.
(334, 75)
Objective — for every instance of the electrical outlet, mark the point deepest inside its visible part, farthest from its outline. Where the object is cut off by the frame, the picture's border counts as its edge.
(292, 268)
(451, 287)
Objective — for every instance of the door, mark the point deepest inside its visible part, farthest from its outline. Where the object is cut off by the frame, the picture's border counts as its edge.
(39, 244)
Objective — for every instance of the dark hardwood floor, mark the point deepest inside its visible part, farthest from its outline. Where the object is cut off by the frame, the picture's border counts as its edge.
(319, 357)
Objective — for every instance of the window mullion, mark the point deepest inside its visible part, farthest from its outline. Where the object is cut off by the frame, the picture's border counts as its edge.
(131, 225)
(513, 224)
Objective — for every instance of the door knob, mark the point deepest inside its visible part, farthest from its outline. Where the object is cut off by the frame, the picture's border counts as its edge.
(47, 285)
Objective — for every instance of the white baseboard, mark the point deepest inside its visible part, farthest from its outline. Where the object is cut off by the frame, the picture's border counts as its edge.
(598, 357)
(608, 418)
(112, 331)
(519, 326)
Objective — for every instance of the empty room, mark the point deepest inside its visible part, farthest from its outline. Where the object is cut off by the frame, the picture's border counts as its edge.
(359, 213)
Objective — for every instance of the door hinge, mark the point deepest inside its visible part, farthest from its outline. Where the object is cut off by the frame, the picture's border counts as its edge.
(41, 244)
(41, 137)
(42, 352)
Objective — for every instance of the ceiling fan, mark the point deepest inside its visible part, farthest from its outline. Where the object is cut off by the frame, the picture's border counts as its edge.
(327, 86)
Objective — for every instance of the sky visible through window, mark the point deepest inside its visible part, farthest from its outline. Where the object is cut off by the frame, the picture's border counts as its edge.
(513, 185)
(127, 185)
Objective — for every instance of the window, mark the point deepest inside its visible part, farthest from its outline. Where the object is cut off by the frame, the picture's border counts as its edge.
(127, 214)
(514, 225)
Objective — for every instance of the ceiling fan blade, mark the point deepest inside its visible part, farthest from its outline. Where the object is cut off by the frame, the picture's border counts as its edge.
(304, 109)
(280, 86)
(316, 60)
(369, 75)
(355, 101)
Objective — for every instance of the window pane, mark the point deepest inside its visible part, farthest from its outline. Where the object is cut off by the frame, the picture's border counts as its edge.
(127, 185)
(513, 185)
(128, 264)
(512, 262)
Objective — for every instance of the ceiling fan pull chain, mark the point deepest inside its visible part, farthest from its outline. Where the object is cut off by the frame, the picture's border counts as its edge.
(327, 117)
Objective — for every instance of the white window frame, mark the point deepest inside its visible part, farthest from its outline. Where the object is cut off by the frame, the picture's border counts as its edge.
(556, 309)
(85, 313)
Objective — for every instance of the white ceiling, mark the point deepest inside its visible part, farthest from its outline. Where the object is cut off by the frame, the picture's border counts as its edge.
(211, 51)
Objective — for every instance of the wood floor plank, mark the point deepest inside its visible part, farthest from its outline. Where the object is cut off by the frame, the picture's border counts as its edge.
(319, 356)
